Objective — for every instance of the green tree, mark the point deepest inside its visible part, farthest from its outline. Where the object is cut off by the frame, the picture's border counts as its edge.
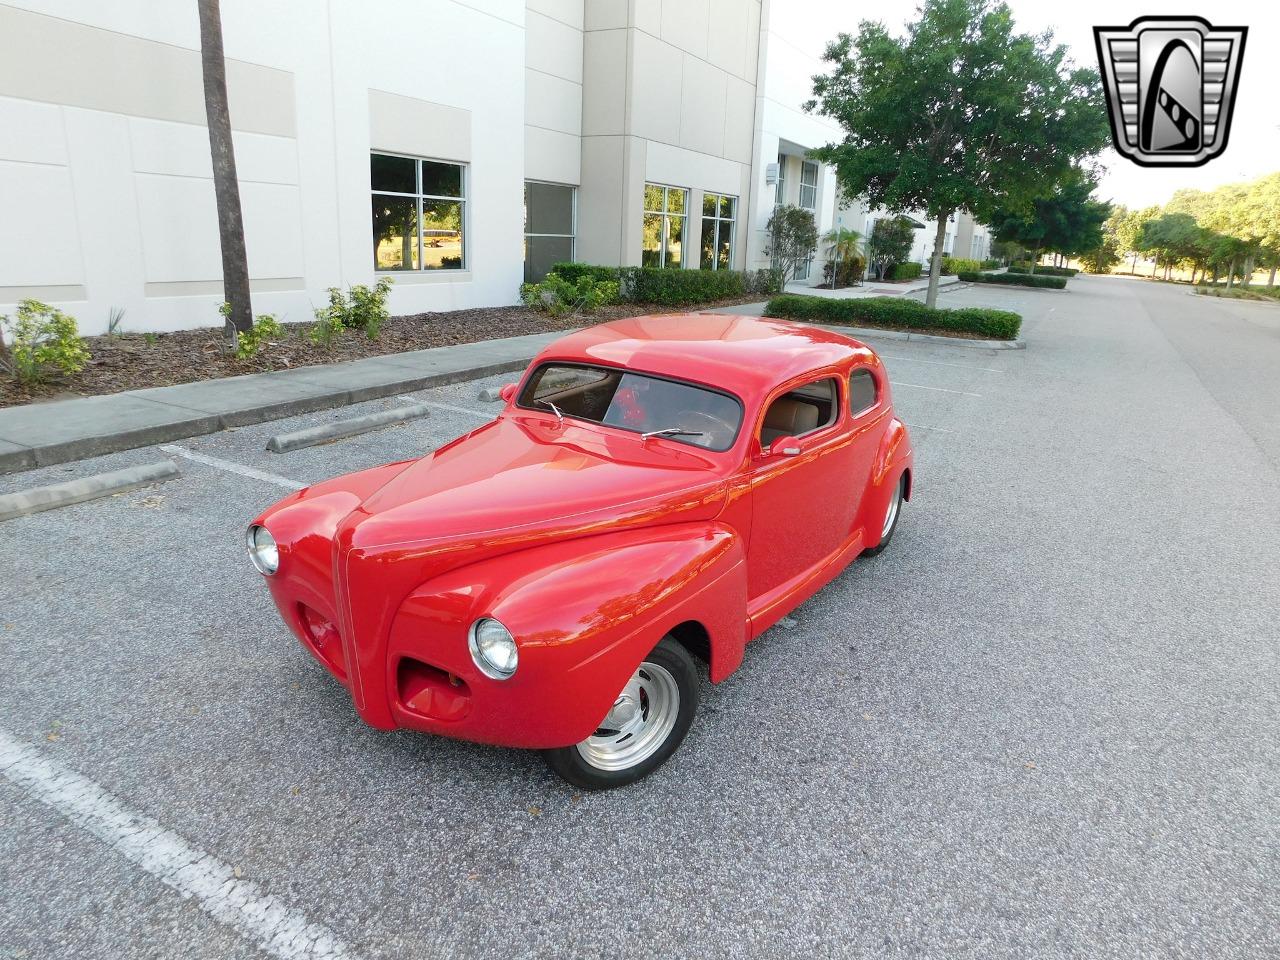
(890, 242)
(963, 113)
(1067, 221)
(792, 235)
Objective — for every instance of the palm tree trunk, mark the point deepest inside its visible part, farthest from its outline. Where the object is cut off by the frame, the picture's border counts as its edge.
(226, 187)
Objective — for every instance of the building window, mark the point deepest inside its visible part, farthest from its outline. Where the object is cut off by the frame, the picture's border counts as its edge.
(665, 211)
(548, 227)
(780, 193)
(419, 213)
(718, 216)
(809, 185)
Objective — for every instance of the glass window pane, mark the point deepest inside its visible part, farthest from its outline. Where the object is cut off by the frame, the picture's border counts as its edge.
(441, 235)
(549, 208)
(707, 248)
(652, 198)
(397, 174)
(862, 391)
(724, 247)
(675, 241)
(542, 253)
(651, 241)
(676, 200)
(395, 233)
(727, 205)
(709, 204)
(441, 179)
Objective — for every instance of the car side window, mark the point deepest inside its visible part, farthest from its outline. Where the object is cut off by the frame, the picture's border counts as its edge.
(802, 410)
(863, 392)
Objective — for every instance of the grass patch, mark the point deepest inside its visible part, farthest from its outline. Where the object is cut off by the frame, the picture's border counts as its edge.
(1264, 295)
(893, 313)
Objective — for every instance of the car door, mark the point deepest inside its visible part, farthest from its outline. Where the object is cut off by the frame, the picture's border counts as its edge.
(802, 509)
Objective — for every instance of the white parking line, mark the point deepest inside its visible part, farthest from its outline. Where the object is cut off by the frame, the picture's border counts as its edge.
(237, 468)
(212, 883)
(447, 406)
(925, 426)
(921, 386)
(941, 363)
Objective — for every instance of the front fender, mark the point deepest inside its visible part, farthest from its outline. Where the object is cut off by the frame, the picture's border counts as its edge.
(584, 613)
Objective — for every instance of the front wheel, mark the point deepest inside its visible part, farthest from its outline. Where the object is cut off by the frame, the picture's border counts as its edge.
(646, 724)
(891, 515)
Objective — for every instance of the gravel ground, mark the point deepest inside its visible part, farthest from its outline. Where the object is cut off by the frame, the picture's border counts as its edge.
(1045, 722)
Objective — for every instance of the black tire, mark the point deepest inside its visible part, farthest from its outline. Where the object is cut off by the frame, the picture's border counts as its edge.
(888, 534)
(573, 763)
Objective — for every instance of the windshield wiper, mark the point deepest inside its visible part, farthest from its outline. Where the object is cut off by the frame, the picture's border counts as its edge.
(672, 432)
(554, 409)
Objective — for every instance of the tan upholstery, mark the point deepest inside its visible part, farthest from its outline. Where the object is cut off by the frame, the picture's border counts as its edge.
(788, 417)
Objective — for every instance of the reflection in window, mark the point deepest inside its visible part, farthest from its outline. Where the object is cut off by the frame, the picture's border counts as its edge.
(809, 185)
(548, 227)
(862, 391)
(718, 213)
(662, 243)
(419, 213)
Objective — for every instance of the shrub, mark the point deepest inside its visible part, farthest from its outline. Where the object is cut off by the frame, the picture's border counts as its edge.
(41, 337)
(1015, 279)
(1044, 271)
(960, 265)
(671, 287)
(327, 328)
(360, 308)
(990, 264)
(896, 313)
(849, 272)
(903, 271)
(557, 296)
(249, 343)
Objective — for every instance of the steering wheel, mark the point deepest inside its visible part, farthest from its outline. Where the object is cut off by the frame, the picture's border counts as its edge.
(719, 433)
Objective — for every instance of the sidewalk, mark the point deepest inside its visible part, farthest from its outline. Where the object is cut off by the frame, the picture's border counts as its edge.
(871, 288)
(40, 434)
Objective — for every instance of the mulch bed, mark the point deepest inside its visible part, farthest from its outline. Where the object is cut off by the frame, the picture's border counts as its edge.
(133, 361)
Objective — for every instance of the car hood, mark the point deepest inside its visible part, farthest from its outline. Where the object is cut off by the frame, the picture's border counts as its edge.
(532, 474)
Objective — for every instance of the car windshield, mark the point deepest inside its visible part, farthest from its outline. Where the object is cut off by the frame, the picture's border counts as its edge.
(645, 404)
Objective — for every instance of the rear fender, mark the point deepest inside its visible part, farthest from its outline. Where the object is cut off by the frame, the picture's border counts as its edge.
(892, 458)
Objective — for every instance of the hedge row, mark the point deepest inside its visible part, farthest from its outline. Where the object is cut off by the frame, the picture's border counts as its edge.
(903, 271)
(896, 313)
(1014, 279)
(675, 287)
(1044, 271)
(952, 265)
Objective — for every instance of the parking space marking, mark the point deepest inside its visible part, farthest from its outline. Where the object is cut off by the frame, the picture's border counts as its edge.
(212, 883)
(921, 386)
(448, 406)
(238, 468)
(943, 363)
(925, 426)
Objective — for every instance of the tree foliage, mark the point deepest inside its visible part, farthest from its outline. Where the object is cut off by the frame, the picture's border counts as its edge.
(792, 235)
(890, 243)
(1067, 221)
(963, 113)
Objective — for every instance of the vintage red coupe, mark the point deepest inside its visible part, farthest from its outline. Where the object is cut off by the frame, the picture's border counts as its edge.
(655, 490)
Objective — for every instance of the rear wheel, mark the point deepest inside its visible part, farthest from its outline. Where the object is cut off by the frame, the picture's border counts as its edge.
(891, 515)
(647, 722)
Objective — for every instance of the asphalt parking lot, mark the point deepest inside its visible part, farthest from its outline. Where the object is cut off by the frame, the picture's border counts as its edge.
(1045, 722)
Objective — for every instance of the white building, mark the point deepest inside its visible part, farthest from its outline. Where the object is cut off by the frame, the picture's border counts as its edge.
(411, 138)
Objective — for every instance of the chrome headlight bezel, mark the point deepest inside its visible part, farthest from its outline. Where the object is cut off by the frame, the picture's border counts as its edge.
(264, 552)
(482, 646)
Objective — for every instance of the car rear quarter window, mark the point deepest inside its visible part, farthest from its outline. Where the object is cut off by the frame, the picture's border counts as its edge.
(863, 392)
(637, 402)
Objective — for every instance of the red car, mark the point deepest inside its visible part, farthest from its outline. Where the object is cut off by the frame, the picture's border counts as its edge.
(656, 491)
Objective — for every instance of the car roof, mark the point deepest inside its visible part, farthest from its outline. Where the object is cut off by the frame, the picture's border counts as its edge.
(746, 355)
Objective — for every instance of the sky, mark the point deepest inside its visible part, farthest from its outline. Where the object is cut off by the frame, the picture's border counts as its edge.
(1254, 145)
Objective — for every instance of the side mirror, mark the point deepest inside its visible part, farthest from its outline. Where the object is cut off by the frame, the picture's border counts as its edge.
(784, 447)
(507, 393)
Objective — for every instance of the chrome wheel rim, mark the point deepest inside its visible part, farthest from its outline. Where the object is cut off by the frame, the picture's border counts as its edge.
(638, 723)
(892, 513)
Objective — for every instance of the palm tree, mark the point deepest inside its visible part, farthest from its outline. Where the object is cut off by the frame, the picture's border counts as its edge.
(842, 244)
(226, 187)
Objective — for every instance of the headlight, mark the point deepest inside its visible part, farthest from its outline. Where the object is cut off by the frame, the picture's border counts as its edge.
(263, 550)
(493, 648)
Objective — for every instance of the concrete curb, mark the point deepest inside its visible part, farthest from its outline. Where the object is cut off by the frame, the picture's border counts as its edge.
(341, 429)
(37, 499)
(872, 333)
(38, 435)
